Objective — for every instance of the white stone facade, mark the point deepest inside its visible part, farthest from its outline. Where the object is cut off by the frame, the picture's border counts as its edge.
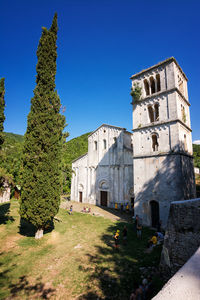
(162, 142)
(104, 176)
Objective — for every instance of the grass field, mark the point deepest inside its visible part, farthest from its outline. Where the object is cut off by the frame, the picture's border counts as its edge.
(76, 260)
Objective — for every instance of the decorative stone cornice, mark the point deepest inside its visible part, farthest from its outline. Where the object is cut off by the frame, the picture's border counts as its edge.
(157, 154)
(175, 89)
(166, 61)
(159, 123)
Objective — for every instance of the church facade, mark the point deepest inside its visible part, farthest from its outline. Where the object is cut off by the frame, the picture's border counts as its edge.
(151, 167)
(104, 176)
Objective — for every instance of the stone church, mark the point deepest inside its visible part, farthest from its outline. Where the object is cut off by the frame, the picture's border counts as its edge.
(104, 176)
(151, 167)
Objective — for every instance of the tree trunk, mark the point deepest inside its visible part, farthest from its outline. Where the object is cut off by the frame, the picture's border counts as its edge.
(39, 233)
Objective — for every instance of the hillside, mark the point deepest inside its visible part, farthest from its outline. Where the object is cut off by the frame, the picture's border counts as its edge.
(75, 148)
(11, 154)
(196, 154)
(12, 151)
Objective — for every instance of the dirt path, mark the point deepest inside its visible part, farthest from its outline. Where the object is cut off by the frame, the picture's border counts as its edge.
(108, 213)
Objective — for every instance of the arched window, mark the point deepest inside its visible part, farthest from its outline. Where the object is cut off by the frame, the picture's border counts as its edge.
(146, 87)
(115, 139)
(185, 143)
(152, 84)
(151, 113)
(154, 142)
(95, 145)
(183, 113)
(158, 82)
(156, 110)
(104, 144)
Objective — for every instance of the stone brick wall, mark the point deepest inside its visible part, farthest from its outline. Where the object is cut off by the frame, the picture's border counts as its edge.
(182, 236)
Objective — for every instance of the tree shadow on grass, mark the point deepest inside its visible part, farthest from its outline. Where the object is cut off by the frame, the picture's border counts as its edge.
(117, 272)
(38, 289)
(5, 214)
(29, 230)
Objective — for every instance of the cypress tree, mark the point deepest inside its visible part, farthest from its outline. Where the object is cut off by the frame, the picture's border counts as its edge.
(2, 107)
(41, 163)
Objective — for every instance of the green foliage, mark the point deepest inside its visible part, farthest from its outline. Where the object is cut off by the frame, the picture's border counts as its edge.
(41, 163)
(136, 92)
(11, 155)
(196, 154)
(72, 150)
(2, 107)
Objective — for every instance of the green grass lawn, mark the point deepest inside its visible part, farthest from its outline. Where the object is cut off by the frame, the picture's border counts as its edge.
(76, 260)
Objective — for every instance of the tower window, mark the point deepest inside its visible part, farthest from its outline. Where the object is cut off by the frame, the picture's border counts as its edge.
(155, 142)
(146, 87)
(151, 114)
(185, 143)
(183, 113)
(95, 145)
(115, 139)
(158, 82)
(104, 144)
(180, 85)
(152, 83)
(156, 111)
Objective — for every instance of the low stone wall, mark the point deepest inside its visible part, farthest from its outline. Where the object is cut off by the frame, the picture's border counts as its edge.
(185, 284)
(182, 236)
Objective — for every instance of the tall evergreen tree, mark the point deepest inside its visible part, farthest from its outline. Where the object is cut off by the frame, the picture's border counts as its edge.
(41, 167)
(2, 107)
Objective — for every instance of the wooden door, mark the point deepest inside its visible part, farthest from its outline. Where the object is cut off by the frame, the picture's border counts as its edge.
(104, 198)
(80, 197)
(155, 217)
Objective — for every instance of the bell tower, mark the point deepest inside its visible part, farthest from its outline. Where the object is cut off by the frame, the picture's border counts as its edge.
(162, 143)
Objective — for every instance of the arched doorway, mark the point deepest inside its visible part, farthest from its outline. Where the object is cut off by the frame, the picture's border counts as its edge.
(155, 215)
(103, 187)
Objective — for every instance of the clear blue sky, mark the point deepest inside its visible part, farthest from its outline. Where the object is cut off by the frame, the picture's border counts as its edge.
(100, 45)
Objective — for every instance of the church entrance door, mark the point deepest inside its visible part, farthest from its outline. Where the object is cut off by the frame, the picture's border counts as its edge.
(104, 198)
(80, 197)
(155, 217)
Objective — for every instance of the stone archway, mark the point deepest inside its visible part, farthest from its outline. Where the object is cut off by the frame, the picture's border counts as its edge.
(103, 187)
(155, 213)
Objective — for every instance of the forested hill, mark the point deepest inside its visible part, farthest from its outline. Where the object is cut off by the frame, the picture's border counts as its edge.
(12, 151)
(75, 148)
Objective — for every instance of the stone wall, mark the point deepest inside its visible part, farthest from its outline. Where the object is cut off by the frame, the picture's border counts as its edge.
(184, 284)
(182, 236)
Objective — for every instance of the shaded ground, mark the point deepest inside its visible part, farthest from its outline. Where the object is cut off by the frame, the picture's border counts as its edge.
(76, 260)
(105, 212)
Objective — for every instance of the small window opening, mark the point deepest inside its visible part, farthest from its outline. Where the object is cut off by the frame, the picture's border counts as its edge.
(104, 144)
(115, 139)
(152, 83)
(146, 87)
(151, 114)
(158, 82)
(183, 113)
(154, 142)
(156, 107)
(185, 143)
(95, 145)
